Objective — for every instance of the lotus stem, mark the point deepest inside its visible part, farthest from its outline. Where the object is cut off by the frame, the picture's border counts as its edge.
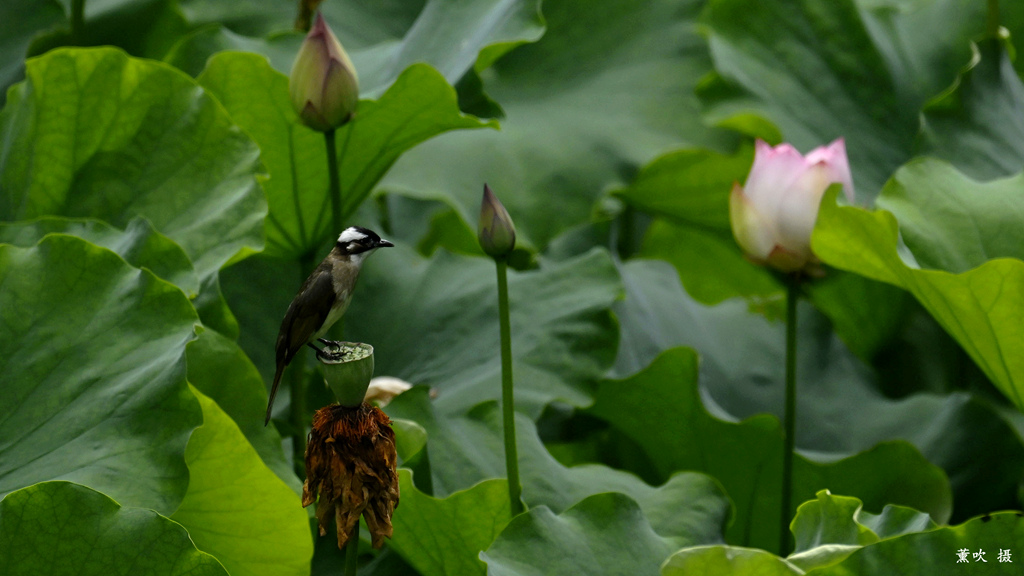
(507, 400)
(992, 28)
(352, 552)
(789, 418)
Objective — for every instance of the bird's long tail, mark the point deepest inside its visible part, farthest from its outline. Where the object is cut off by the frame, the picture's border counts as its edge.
(273, 389)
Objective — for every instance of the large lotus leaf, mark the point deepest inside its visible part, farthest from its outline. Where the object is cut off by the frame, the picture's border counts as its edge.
(435, 322)
(840, 410)
(139, 244)
(143, 247)
(236, 508)
(746, 457)
(833, 519)
(727, 561)
(219, 368)
(952, 222)
(62, 528)
(484, 30)
(358, 24)
(452, 37)
(563, 335)
(829, 528)
(603, 534)
(973, 547)
(21, 21)
(868, 316)
(575, 121)
(439, 537)
(983, 308)
(689, 508)
(979, 125)
(93, 356)
(95, 133)
(144, 28)
(418, 106)
(820, 71)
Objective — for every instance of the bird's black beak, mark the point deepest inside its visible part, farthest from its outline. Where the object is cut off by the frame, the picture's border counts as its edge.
(384, 244)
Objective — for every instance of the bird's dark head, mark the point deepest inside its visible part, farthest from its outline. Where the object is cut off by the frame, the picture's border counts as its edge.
(359, 242)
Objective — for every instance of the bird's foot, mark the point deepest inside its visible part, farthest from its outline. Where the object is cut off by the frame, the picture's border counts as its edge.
(325, 354)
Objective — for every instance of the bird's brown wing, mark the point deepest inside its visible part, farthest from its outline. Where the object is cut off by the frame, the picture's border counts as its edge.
(304, 317)
(307, 313)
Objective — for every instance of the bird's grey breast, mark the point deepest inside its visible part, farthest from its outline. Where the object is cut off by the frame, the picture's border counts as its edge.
(343, 277)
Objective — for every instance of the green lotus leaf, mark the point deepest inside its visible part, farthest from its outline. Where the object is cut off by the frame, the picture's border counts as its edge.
(951, 221)
(444, 536)
(979, 125)
(418, 106)
(820, 72)
(402, 300)
(236, 508)
(602, 534)
(21, 21)
(383, 40)
(63, 528)
(355, 22)
(95, 133)
(576, 123)
(727, 561)
(93, 353)
(939, 551)
(981, 308)
(145, 28)
(830, 528)
(139, 244)
(840, 409)
(123, 137)
(689, 508)
(219, 368)
(746, 457)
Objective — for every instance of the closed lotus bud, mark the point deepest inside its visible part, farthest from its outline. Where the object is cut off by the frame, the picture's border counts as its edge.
(351, 470)
(497, 233)
(774, 213)
(323, 83)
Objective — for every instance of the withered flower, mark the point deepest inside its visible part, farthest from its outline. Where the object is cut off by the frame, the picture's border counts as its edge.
(351, 470)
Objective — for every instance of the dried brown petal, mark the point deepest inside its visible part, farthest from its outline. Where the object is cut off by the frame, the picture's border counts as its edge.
(351, 470)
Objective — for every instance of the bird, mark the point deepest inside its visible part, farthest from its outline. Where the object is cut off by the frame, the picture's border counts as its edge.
(323, 298)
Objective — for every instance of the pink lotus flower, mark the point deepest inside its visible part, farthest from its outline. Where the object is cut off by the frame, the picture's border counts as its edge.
(323, 85)
(773, 215)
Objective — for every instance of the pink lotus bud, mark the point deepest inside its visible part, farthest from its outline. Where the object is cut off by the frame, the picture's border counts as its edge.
(773, 215)
(323, 83)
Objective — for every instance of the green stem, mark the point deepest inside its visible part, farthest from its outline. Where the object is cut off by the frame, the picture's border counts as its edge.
(335, 180)
(507, 402)
(77, 21)
(352, 552)
(993, 19)
(789, 441)
(297, 390)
